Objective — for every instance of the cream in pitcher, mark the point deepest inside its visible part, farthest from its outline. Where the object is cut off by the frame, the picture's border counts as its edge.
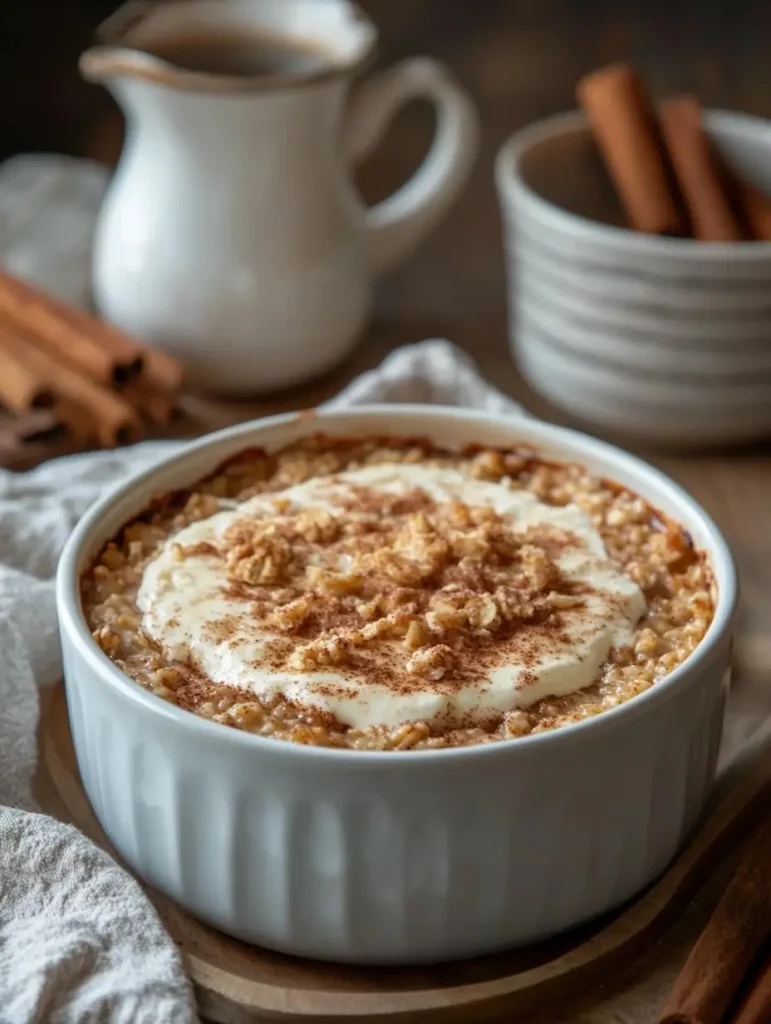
(232, 234)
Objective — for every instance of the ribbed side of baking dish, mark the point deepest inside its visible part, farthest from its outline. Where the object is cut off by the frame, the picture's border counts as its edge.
(401, 860)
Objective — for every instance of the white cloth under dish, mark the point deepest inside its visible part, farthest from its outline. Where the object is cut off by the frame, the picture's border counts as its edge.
(79, 941)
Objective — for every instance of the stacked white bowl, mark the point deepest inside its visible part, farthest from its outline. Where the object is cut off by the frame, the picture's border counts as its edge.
(665, 340)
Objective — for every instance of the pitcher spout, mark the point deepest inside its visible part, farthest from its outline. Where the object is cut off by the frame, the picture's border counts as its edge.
(102, 63)
(119, 49)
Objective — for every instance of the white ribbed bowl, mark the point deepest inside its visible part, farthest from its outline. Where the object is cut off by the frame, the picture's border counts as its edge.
(664, 412)
(395, 857)
(662, 339)
(688, 298)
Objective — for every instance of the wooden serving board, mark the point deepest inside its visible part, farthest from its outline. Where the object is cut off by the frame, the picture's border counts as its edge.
(239, 984)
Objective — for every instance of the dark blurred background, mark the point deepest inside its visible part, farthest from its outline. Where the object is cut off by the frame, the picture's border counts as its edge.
(519, 58)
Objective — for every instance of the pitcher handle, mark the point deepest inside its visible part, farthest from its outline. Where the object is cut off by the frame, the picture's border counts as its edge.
(397, 224)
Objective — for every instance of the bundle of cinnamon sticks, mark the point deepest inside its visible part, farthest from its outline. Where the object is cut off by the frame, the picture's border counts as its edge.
(68, 378)
(669, 177)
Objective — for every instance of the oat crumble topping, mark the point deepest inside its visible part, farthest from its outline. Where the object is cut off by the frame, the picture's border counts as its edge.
(441, 579)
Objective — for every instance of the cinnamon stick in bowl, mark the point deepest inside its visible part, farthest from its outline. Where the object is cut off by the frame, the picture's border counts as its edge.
(756, 207)
(627, 134)
(698, 172)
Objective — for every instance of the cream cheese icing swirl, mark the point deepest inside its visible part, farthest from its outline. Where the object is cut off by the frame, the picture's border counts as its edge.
(391, 594)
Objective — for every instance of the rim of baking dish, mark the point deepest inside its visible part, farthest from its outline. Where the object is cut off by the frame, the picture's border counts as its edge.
(580, 445)
(513, 185)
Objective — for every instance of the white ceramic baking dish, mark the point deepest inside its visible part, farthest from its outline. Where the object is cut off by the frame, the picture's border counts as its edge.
(395, 857)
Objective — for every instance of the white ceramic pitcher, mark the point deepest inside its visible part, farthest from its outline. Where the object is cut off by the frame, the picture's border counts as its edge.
(232, 235)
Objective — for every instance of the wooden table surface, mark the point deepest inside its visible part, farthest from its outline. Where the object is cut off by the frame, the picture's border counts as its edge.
(520, 60)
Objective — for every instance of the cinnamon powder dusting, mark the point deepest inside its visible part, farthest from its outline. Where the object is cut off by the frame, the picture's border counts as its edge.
(397, 589)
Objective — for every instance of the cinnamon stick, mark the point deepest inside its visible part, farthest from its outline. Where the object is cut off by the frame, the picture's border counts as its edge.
(698, 172)
(21, 388)
(625, 128)
(79, 423)
(155, 405)
(127, 351)
(100, 351)
(755, 1008)
(756, 207)
(728, 945)
(114, 420)
(162, 370)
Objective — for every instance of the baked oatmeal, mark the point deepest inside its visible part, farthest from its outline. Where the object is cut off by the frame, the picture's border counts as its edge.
(384, 594)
